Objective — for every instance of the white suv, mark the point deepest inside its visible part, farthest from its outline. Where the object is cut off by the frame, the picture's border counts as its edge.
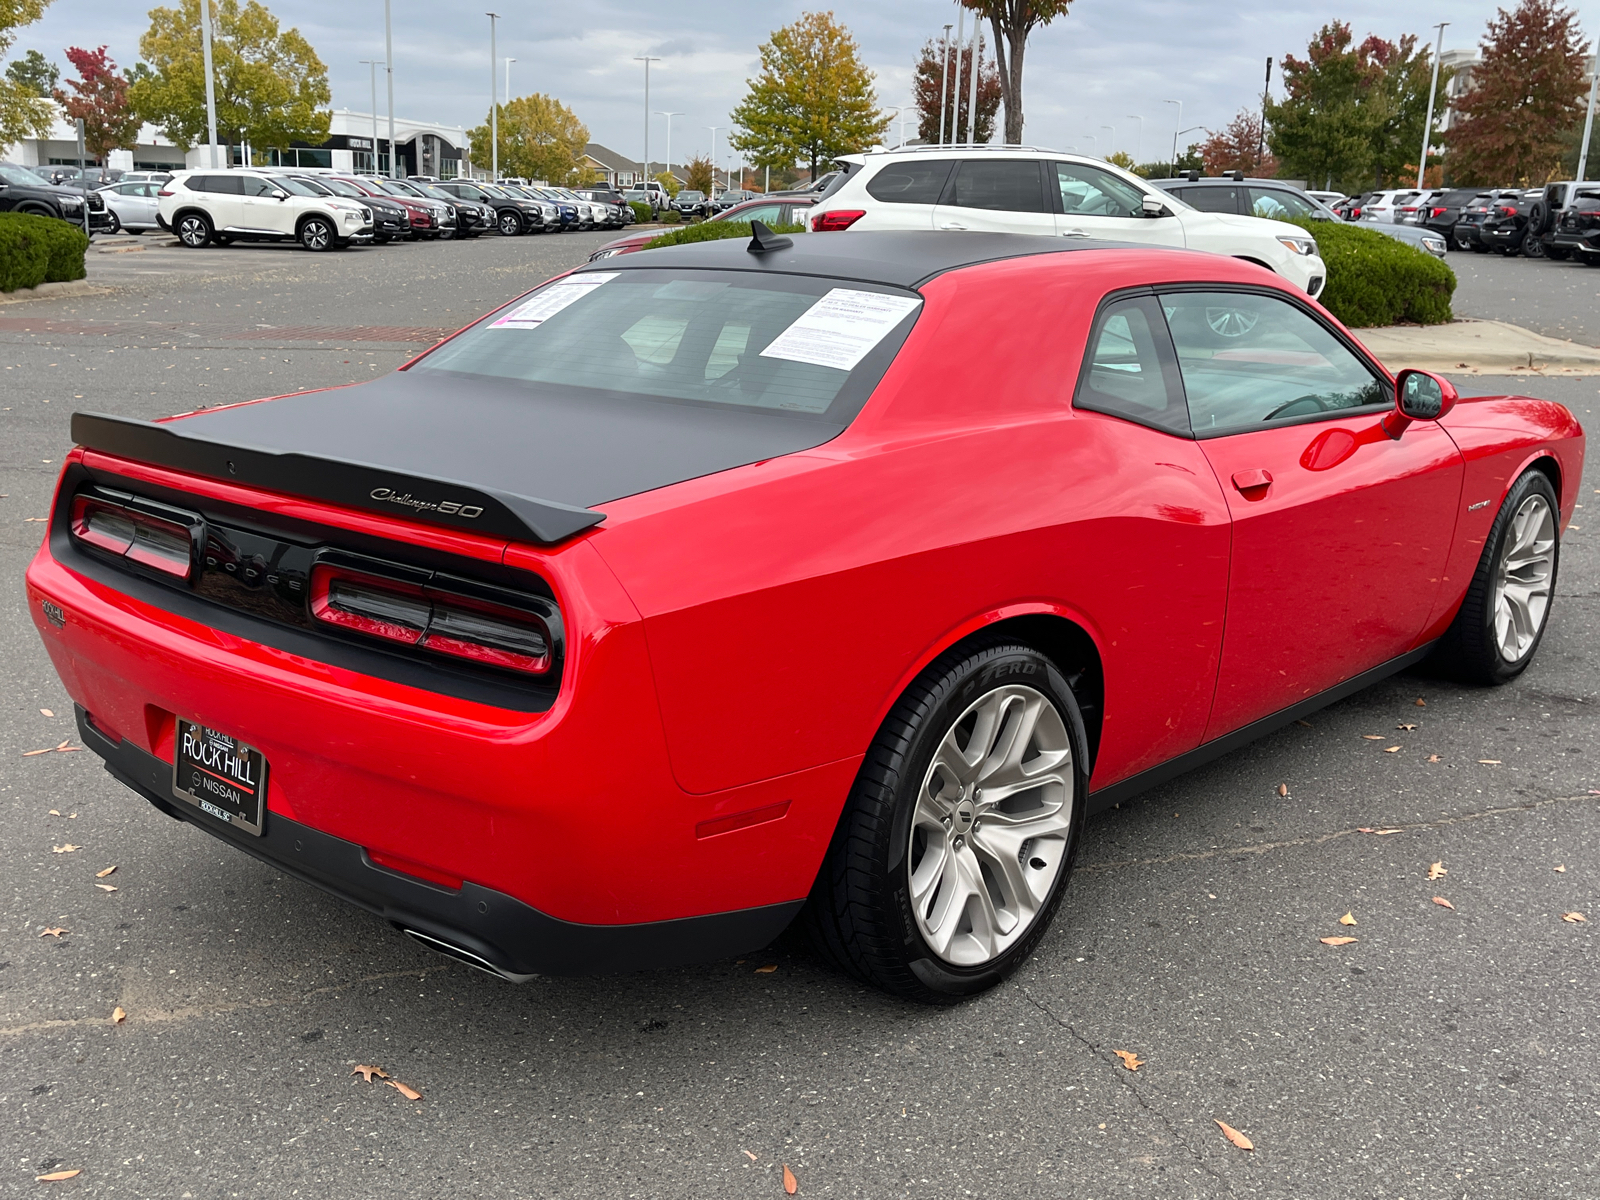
(1019, 189)
(224, 206)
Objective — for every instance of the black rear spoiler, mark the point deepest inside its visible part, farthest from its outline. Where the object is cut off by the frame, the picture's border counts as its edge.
(377, 489)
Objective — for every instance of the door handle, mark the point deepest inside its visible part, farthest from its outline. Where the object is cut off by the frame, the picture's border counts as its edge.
(1073, 233)
(953, 225)
(1254, 481)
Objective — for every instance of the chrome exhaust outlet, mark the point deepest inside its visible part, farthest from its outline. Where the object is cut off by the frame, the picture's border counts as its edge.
(462, 955)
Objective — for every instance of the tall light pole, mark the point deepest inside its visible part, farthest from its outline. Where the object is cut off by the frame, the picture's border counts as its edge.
(944, 82)
(646, 60)
(1175, 138)
(509, 61)
(388, 71)
(372, 65)
(1588, 121)
(1113, 129)
(494, 106)
(211, 87)
(955, 97)
(713, 129)
(1096, 151)
(1427, 124)
(1175, 125)
(1261, 129)
(972, 86)
(1138, 140)
(669, 116)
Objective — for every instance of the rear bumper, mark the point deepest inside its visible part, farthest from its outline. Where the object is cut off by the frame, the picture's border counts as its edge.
(1589, 240)
(477, 925)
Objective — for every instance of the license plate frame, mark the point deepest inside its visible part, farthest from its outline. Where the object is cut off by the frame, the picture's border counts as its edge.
(220, 775)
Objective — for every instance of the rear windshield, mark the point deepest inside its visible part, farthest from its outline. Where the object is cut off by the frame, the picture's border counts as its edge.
(785, 344)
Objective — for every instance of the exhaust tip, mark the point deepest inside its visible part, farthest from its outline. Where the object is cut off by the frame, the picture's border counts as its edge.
(462, 955)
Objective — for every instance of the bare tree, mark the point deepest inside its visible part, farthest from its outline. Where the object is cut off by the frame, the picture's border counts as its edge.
(1012, 21)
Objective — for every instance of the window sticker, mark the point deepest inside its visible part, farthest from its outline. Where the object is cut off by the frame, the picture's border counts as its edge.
(840, 329)
(547, 302)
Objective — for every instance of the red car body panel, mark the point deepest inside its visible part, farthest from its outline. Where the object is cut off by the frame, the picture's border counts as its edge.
(735, 640)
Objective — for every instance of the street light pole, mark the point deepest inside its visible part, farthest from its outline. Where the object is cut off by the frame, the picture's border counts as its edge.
(388, 70)
(972, 86)
(713, 129)
(1588, 121)
(1138, 140)
(1175, 125)
(509, 61)
(669, 116)
(1113, 129)
(211, 87)
(646, 60)
(944, 82)
(494, 107)
(1427, 124)
(955, 115)
(372, 65)
(1261, 129)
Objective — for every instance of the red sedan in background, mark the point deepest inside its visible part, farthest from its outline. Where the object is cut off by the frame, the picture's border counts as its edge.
(773, 213)
(428, 217)
(700, 590)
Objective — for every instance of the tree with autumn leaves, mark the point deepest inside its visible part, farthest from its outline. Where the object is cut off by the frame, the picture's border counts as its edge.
(932, 81)
(99, 98)
(1237, 147)
(1527, 93)
(540, 138)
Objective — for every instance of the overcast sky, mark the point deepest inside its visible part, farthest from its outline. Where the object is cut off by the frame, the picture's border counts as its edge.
(1105, 60)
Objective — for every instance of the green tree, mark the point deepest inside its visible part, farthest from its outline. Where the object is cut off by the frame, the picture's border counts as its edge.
(24, 113)
(698, 175)
(813, 101)
(1527, 92)
(1325, 128)
(540, 138)
(271, 88)
(927, 89)
(35, 72)
(1012, 21)
(1120, 158)
(99, 97)
(669, 181)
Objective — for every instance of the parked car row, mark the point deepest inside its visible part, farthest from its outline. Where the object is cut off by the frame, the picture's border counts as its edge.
(25, 191)
(1558, 221)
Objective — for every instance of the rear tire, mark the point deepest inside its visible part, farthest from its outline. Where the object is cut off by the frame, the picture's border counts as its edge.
(949, 860)
(1507, 607)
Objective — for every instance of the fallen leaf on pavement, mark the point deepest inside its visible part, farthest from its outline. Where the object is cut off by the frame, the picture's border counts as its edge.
(1403, 725)
(1129, 1059)
(118, 1016)
(1443, 903)
(1348, 919)
(408, 1092)
(56, 1176)
(1437, 870)
(1391, 749)
(1421, 703)
(367, 1072)
(767, 970)
(31, 753)
(1283, 789)
(750, 1156)
(1336, 941)
(67, 849)
(55, 933)
(1433, 758)
(1366, 829)
(1234, 1136)
(103, 874)
(46, 712)
(1373, 737)
(1561, 870)
(1307, 724)
(1490, 762)
(106, 887)
(55, 812)
(1574, 918)
(1387, 832)
(790, 1183)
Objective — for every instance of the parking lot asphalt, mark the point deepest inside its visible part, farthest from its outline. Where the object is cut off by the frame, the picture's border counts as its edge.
(1557, 299)
(1447, 1052)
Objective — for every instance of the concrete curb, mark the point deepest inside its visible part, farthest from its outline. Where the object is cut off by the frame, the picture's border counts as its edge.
(1478, 348)
(56, 291)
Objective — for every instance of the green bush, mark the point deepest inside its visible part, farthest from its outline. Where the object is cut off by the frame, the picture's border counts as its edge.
(641, 211)
(672, 216)
(24, 254)
(35, 250)
(711, 231)
(1374, 279)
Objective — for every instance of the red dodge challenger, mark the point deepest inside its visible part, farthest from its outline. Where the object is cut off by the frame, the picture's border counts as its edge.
(706, 588)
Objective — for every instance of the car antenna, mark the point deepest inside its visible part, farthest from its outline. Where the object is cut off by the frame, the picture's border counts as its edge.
(764, 241)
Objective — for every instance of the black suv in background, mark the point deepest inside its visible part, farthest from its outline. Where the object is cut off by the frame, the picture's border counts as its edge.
(1505, 229)
(691, 203)
(391, 220)
(514, 214)
(1577, 229)
(1473, 215)
(1544, 218)
(23, 191)
(1444, 209)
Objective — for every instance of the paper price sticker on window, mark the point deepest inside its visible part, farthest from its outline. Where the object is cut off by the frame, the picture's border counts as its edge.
(840, 329)
(547, 302)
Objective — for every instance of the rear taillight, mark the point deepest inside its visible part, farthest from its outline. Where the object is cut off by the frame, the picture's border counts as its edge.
(431, 618)
(164, 192)
(162, 545)
(1437, 212)
(838, 219)
(1505, 210)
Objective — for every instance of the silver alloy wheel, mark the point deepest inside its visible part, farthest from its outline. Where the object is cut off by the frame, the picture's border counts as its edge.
(1231, 322)
(989, 832)
(193, 231)
(510, 224)
(1522, 580)
(315, 234)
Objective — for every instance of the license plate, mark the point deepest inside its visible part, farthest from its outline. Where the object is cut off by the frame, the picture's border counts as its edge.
(221, 776)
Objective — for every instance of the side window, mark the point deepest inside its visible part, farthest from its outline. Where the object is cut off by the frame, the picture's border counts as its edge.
(767, 214)
(1247, 359)
(1213, 199)
(229, 185)
(254, 185)
(198, 183)
(1000, 185)
(910, 182)
(1278, 205)
(1129, 370)
(1090, 192)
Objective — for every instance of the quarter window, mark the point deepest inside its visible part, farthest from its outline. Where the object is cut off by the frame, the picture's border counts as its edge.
(1249, 359)
(910, 182)
(1279, 205)
(1000, 185)
(1212, 199)
(1090, 192)
(1130, 370)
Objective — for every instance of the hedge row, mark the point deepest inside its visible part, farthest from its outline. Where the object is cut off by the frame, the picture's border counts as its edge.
(642, 212)
(35, 250)
(711, 231)
(1374, 279)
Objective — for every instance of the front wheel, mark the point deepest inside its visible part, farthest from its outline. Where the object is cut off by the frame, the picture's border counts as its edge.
(1495, 635)
(116, 222)
(316, 234)
(193, 230)
(954, 848)
(510, 224)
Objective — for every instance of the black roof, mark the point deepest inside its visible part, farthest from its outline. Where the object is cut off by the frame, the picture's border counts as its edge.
(902, 258)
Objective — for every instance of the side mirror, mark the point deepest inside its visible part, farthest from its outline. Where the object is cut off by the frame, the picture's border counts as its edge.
(1419, 396)
(280, 195)
(1152, 207)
